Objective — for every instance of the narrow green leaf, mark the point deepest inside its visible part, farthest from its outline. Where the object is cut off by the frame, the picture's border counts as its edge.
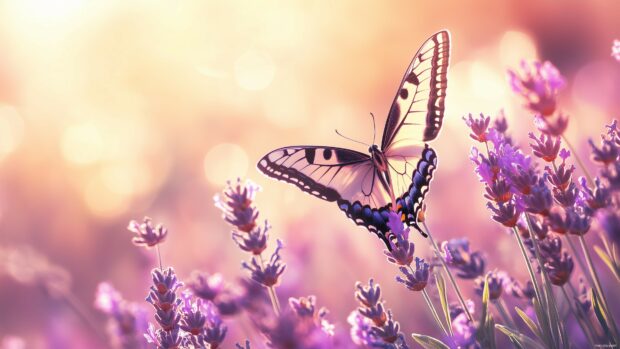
(611, 264)
(523, 340)
(443, 297)
(600, 315)
(485, 300)
(428, 342)
(541, 316)
(529, 322)
(490, 332)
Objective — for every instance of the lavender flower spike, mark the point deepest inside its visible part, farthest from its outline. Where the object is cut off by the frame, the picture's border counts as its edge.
(538, 83)
(545, 147)
(206, 286)
(147, 235)
(417, 280)
(464, 330)
(269, 275)
(478, 127)
(457, 256)
(496, 282)
(254, 241)
(237, 205)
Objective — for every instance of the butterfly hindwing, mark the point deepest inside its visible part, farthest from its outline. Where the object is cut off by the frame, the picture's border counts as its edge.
(408, 204)
(418, 107)
(325, 172)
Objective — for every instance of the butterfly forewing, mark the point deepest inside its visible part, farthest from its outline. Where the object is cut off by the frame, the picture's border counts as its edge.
(417, 111)
(326, 172)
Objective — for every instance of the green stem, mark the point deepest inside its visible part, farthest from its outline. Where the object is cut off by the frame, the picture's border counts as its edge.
(450, 276)
(272, 291)
(599, 286)
(552, 307)
(586, 319)
(546, 328)
(579, 162)
(578, 316)
(501, 308)
(430, 305)
(161, 268)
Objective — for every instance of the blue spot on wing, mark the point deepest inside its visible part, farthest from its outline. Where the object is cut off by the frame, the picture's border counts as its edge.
(409, 203)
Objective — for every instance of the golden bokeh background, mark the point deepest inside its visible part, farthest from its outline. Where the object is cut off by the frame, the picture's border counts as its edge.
(113, 110)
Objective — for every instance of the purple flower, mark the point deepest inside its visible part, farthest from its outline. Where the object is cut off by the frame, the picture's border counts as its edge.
(596, 197)
(615, 50)
(147, 235)
(478, 127)
(496, 282)
(568, 197)
(237, 205)
(539, 201)
(369, 295)
(560, 269)
(127, 321)
(163, 297)
(254, 241)
(396, 225)
(206, 286)
(578, 222)
(269, 274)
(246, 346)
(517, 290)
(523, 179)
(545, 147)
(583, 300)
(486, 168)
(610, 222)
(457, 256)
(606, 154)
(612, 175)
(538, 84)
(390, 331)
(192, 319)
(498, 191)
(550, 248)
(164, 339)
(560, 177)
(417, 279)
(303, 306)
(291, 331)
(553, 125)
(507, 214)
(370, 299)
(402, 251)
(361, 330)
(500, 124)
(464, 330)
(215, 330)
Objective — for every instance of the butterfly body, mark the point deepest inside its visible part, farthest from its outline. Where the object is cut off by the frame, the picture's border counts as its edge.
(391, 177)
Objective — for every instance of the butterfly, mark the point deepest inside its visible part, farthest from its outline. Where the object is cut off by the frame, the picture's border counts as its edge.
(396, 174)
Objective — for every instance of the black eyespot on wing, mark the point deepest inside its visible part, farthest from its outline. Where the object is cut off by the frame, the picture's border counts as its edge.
(404, 93)
(327, 154)
(412, 78)
(310, 153)
(347, 156)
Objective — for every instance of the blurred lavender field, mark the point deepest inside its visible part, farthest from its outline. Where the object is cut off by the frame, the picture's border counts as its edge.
(117, 110)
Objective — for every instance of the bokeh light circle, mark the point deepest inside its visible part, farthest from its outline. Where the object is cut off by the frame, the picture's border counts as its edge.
(225, 161)
(254, 70)
(11, 130)
(82, 144)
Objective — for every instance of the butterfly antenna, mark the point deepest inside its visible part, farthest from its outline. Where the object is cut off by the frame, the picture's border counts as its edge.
(351, 139)
(374, 128)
